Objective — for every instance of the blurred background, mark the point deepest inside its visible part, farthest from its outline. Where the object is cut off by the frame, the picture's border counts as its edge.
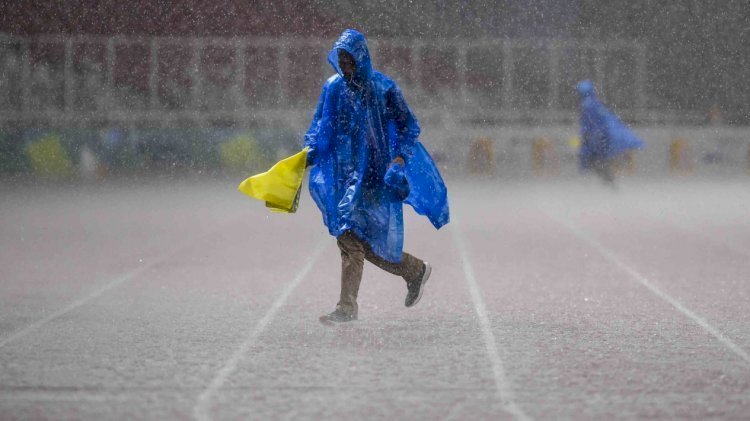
(95, 90)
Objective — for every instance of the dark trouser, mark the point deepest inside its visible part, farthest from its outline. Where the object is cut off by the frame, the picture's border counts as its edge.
(605, 169)
(354, 251)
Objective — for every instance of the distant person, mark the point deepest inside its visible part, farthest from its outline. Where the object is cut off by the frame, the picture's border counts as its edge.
(605, 139)
(715, 116)
(366, 161)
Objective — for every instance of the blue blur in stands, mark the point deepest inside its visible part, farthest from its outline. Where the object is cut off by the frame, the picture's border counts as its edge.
(604, 135)
(360, 125)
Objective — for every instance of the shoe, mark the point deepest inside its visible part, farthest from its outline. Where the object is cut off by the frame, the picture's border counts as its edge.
(337, 316)
(415, 288)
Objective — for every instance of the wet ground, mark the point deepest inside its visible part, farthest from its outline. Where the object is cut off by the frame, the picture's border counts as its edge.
(548, 300)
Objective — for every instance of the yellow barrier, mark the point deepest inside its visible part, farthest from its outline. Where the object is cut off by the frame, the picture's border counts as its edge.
(679, 156)
(49, 160)
(241, 154)
(482, 157)
(544, 157)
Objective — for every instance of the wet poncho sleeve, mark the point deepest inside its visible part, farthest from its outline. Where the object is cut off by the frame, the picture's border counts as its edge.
(395, 180)
(426, 191)
(405, 124)
(316, 135)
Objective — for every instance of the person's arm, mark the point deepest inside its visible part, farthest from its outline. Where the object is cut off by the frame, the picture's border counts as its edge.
(395, 178)
(316, 130)
(407, 128)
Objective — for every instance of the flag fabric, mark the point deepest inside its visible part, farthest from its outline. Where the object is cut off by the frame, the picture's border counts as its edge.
(280, 186)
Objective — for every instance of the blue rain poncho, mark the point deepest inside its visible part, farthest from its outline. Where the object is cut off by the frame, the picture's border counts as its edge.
(604, 135)
(359, 127)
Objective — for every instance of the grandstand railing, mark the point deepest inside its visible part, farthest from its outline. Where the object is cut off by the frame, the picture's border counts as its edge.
(71, 80)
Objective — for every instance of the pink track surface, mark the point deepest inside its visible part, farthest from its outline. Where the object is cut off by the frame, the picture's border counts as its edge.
(188, 300)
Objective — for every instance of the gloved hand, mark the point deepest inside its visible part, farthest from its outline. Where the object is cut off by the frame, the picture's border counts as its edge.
(312, 153)
(396, 182)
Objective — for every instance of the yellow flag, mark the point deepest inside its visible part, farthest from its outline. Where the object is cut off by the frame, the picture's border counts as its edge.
(280, 186)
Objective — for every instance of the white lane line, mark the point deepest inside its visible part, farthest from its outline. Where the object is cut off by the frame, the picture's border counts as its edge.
(114, 283)
(77, 397)
(612, 257)
(202, 405)
(504, 390)
(679, 226)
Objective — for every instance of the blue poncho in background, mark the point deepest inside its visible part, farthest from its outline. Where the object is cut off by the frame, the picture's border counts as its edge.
(359, 127)
(604, 135)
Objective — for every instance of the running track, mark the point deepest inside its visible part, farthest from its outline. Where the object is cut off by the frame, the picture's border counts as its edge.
(548, 300)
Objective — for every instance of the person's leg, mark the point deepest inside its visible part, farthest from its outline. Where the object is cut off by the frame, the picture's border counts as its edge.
(352, 263)
(413, 270)
(609, 173)
(408, 268)
(604, 169)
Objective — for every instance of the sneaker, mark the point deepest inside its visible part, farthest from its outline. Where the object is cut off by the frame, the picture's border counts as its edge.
(415, 288)
(337, 316)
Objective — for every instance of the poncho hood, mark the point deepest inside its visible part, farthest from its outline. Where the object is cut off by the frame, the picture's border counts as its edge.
(585, 89)
(354, 43)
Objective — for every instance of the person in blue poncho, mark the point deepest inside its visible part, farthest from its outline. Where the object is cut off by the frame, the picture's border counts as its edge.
(605, 138)
(366, 162)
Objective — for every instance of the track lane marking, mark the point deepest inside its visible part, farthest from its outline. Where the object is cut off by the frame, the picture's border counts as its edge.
(612, 257)
(114, 283)
(685, 228)
(202, 405)
(504, 390)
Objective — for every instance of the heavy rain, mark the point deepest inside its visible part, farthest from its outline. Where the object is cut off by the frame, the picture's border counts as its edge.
(512, 209)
